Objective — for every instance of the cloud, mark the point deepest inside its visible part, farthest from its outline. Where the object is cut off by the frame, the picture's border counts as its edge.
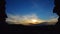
(52, 21)
(28, 19)
(24, 19)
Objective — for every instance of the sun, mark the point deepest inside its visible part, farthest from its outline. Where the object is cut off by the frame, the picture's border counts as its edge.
(34, 20)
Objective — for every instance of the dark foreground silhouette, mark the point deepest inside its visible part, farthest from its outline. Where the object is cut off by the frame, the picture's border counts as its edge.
(4, 27)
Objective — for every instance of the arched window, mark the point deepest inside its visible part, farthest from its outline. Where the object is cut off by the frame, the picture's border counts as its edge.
(31, 12)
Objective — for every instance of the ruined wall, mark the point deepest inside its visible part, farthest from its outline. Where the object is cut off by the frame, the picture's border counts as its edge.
(57, 10)
(3, 15)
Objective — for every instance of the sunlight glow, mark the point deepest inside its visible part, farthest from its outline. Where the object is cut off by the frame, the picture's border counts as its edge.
(28, 20)
(33, 20)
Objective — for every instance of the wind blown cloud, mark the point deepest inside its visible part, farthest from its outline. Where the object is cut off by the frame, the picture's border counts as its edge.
(28, 19)
(52, 21)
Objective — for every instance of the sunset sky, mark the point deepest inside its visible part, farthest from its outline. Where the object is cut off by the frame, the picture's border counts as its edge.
(43, 9)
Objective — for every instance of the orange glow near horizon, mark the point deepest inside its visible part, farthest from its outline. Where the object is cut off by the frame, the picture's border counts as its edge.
(34, 20)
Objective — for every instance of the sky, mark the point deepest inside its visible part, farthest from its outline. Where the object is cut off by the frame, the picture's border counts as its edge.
(41, 9)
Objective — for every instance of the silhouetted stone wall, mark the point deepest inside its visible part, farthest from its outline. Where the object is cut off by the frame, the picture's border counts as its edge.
(57, 10)
(3, 15)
